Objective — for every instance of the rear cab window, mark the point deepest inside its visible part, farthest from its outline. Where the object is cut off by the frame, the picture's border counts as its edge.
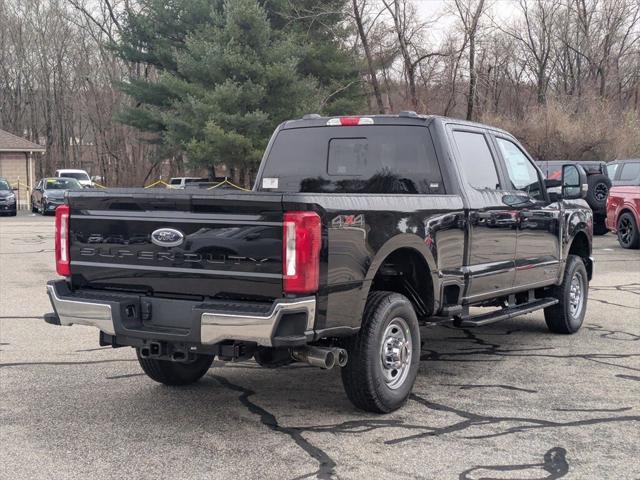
(397, 159)
(478, 165)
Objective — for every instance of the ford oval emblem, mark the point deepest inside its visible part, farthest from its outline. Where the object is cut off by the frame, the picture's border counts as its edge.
(167, 237)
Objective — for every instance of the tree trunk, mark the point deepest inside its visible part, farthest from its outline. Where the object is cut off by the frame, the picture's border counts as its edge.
(472, 76)
(367, 52)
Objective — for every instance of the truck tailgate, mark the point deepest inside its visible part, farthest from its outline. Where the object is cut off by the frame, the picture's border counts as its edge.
(228, 245)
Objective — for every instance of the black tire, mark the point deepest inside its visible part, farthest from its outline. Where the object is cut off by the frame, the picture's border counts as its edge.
(368, 384)
(598, 191)
(175, 373)
(565, 316)
(14, 213)
(599, 225)
(627, 229)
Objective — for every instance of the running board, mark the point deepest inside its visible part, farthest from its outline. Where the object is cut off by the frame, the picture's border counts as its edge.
(504, 314)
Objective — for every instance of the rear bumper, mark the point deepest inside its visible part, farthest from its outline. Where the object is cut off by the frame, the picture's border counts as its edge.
(285, 322)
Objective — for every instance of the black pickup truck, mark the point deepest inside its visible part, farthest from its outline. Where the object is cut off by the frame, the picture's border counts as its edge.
(358, 230)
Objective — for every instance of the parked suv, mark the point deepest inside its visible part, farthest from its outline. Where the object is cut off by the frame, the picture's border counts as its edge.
(599, 185)
(335, 258)
(182, 182)
(623, 205)
(80, 175)
(7, 198)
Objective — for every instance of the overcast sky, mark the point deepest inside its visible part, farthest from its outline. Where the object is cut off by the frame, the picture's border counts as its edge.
(428, 9)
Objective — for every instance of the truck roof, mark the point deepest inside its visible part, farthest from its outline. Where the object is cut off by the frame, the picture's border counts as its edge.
(402, 118)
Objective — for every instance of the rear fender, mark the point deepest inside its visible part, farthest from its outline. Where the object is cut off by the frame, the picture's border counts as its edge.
(402, 241)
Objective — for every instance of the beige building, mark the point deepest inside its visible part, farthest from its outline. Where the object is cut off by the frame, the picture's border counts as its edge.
(16, 164)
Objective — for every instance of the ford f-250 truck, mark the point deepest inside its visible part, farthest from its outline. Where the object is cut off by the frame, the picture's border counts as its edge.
(358, 230)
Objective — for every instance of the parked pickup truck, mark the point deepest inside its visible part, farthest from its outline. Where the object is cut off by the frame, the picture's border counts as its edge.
(358, 230)
(599, 185)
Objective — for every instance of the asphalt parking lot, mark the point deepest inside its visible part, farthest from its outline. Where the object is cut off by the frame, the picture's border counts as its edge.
(507, 401)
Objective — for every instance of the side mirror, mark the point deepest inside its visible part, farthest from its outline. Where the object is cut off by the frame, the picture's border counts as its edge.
(574, 182)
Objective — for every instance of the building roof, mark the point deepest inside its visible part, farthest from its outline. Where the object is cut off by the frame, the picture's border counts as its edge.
(12, 143)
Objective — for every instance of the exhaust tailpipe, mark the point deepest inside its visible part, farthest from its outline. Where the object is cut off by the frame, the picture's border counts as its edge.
(144, 352)
(342, 357)
(322, 357)
(315, 356)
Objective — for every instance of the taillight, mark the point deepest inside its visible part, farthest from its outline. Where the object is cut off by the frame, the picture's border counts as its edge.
(349, 121)
(301, 240)
(62, 241)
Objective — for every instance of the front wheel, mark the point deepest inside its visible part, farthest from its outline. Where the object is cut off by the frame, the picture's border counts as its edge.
(175, 373)
(384, 355)
(567, 315)
(627, 228)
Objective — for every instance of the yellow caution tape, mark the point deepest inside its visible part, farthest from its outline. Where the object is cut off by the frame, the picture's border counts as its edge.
(226, 181)
(159, 182)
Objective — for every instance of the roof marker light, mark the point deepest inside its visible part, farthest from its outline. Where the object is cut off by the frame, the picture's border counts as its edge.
(349, 121)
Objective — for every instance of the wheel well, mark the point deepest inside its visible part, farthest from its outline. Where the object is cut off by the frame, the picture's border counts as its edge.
(405, 271)
(580, 247)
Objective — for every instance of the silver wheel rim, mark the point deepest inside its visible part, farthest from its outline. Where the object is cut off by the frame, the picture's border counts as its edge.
(395, 353)
(576, 295)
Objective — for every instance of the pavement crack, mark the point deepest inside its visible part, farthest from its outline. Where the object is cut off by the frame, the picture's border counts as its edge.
(22, 364)
(471, 419)
(470, 386)
(327, 466)
(554, 465)
(115, 377)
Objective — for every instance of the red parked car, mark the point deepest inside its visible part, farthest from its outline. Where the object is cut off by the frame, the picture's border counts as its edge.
(623, 204)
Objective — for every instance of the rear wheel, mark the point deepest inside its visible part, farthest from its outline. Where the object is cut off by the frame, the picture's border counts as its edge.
(384, 355)
(175, 373)
(567, 315)
(628, 235)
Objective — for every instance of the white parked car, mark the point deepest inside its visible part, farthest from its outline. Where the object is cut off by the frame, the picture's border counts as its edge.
(80, 175)
(181, 182)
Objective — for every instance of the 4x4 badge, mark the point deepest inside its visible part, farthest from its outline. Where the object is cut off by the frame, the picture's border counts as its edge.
(348, 221)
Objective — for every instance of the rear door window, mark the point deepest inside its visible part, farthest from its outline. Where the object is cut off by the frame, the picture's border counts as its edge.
(362, 159)
(477, 161)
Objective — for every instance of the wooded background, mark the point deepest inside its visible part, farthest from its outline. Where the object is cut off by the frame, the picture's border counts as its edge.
(133, 90)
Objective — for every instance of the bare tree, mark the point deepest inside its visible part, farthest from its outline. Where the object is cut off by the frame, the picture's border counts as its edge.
(469, 12)
(409, 32)
(358, 11)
